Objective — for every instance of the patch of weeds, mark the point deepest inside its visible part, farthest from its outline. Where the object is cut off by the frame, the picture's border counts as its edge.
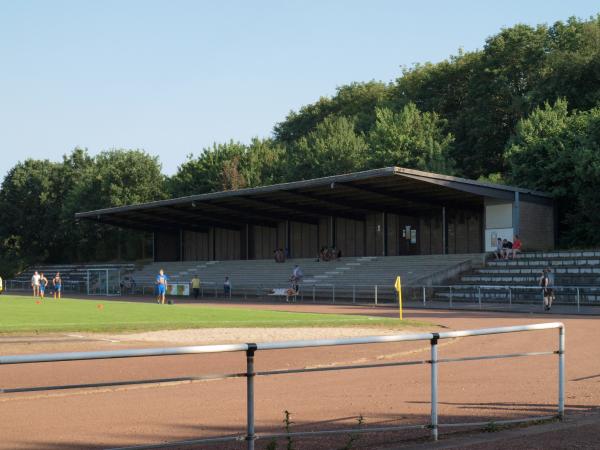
(287, 421)
(354, 437)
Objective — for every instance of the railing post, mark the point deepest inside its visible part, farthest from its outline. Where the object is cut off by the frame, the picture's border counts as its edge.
(314, 298)
(375, 294)
(353, 293)
(333, 292)
(250, 436)
(578, 301)
(423, 295)
(215, 290)
(450, 297)
(479, 295)
(509, 297)
(561, 373)
(434, 387)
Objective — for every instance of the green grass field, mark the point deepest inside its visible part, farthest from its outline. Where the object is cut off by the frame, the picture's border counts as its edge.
(22, 314)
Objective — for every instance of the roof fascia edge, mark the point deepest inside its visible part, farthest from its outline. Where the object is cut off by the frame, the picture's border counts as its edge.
(374, 173)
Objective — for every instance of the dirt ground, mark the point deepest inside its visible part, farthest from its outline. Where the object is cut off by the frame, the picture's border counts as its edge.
(110, 417)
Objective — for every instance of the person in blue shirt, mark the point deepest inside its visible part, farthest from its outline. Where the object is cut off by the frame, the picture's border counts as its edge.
(161, 284)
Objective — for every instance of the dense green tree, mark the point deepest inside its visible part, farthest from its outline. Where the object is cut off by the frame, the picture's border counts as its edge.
(332, 148)
(410, 139)
(558, 151)
(204, 173)
(30, 210)
(229, 166)
(356, 100)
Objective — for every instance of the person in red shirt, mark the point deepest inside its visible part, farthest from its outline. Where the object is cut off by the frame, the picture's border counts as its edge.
(516, 248)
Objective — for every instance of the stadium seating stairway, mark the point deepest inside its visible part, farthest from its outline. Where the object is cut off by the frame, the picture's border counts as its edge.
(572, 270)
(350, 276)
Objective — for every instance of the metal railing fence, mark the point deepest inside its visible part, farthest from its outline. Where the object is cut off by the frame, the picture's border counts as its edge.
(68, 287)
(439, 296)
(425, 295)
(250, 374)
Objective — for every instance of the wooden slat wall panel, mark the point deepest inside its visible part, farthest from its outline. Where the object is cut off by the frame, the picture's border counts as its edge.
(305, 240)
(462, 233)
(264, 242)
(166, 247)
(393, 238)
(281, 233)
(350, 237)
(475, 238)
(324, 232)
(374, 237)
(227, 244)
(436, 238)
(425, 238)
(195, 246)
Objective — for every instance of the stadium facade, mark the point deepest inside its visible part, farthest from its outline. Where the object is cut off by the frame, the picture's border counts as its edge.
(389, 211)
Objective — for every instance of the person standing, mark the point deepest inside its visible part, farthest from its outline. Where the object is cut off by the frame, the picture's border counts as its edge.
(35, 284)
(227, 287)
(43, 284)
(57, 285)
(547, 283)
(296, 278)
(196, 286)
(161, 283)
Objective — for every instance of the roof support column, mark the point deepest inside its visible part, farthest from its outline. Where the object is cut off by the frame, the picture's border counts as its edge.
(247, 243)
(180, 244)
(384, 240)
(331, 231)
(516, 217)
(288, 249)
(444, 232)
(153, 246)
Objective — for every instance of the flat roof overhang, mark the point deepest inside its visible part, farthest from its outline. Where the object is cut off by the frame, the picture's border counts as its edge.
(352, 196)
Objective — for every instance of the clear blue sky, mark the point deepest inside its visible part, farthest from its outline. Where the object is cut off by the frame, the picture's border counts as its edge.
(171, 77)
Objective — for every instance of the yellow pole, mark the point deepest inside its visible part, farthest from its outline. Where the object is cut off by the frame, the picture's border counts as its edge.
(398, 287)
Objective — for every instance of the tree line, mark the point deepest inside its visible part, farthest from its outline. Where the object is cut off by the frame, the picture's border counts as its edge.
(522, 110)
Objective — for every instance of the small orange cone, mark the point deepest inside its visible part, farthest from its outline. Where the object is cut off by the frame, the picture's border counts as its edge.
(37, 302)
(100, 306)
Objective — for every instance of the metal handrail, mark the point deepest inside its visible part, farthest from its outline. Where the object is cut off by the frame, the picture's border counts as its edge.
(251, 348)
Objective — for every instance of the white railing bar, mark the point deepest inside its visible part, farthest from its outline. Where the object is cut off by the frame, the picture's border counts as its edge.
(111, 354)
(348, 341)
(500, 330)
(170, 351)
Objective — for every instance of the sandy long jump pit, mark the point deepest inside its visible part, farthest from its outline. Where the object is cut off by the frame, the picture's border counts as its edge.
(108, 417)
